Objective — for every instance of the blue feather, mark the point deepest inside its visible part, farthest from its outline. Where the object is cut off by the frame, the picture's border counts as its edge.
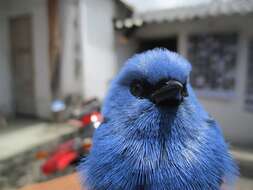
(144, 146)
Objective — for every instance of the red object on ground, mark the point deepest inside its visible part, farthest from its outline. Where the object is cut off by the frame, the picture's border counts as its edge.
(61, 158)
(86, 120)
(59, 161)
(89, 118)
(66, 160)
(67, 152)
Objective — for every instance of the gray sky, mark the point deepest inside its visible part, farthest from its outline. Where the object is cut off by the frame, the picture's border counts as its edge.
(141, 6)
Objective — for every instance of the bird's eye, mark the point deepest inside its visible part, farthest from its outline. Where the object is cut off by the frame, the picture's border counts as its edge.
(138, 88)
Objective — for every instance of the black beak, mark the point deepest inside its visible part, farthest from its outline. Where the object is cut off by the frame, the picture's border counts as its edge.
(171, 93)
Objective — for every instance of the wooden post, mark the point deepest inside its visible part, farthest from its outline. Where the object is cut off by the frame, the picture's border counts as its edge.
(54, 44)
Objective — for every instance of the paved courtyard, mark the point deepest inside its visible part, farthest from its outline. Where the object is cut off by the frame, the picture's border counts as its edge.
(21, 138)
(19, 144)
(245, 184)
(25, 135)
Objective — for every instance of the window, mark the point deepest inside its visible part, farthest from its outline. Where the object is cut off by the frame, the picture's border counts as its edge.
(249, 84)
(213, 57)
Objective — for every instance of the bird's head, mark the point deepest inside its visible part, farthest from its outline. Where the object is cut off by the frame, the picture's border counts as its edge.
(159, 76)
(150, 92)
(156, 77)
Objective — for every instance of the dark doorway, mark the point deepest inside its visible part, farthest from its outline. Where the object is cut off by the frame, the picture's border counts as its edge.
(169, 43)
(22, 65)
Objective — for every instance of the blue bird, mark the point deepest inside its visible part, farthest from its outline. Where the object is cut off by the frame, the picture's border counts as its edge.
(156, 135)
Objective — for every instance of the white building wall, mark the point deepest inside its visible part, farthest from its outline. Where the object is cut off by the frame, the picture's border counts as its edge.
(99, 61)
(38, 10)
(237, 123)
(70, 39)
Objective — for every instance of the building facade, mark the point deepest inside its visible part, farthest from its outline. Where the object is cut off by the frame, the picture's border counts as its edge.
(217, 39)
(50, 49)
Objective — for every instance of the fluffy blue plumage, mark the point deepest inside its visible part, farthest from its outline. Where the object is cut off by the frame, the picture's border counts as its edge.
(145, 146)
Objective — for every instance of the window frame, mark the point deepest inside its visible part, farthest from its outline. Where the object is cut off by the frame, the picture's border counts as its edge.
(210, 93)
(248, 97)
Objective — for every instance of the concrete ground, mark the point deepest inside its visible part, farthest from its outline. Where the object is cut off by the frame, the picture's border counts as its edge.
(24, 135)
(19, 143)
(245, 184)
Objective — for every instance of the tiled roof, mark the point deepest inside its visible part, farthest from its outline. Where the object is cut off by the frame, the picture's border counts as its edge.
(182, 13)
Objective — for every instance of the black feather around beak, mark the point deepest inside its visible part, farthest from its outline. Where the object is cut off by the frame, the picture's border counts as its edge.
(171, 93)
(166, 92)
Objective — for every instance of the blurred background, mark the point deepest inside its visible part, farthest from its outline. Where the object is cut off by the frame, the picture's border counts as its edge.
(57, 58)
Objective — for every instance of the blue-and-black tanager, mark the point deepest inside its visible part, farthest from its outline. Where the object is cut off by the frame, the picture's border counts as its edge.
(156, 135)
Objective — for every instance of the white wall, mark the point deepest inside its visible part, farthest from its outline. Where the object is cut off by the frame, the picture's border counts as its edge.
(38, 10)
(99, 59)
(237, 123)
(70, 37)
